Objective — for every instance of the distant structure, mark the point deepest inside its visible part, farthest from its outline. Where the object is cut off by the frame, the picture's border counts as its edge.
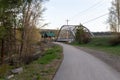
(47, 35)
(67, 33)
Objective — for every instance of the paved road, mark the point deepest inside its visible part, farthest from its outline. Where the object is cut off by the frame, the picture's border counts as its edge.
(79, 65)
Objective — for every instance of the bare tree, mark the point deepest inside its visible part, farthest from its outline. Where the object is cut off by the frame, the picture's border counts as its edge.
(18, 19)
(32, 12)
(114, 16)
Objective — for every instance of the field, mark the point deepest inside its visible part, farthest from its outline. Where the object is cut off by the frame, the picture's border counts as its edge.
(101, 44)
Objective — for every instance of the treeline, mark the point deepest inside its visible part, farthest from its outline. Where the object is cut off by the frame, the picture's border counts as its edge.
(18, 32)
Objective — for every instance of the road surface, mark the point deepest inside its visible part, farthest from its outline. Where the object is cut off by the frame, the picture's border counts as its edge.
(79, 65)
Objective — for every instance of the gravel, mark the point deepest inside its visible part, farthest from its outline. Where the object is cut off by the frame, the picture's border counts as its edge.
(112, 60)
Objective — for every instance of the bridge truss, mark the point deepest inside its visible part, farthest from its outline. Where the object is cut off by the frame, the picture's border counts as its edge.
(67, 33)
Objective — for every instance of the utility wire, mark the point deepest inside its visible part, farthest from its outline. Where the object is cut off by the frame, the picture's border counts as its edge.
(95, 18)
(87, 9)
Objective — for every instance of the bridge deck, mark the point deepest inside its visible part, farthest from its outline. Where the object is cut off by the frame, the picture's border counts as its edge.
(64, 40)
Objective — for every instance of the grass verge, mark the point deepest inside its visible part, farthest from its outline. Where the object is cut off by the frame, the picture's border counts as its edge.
(101, 44)
(50, 54)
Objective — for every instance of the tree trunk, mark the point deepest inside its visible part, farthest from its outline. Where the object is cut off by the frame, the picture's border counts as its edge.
(2, 51)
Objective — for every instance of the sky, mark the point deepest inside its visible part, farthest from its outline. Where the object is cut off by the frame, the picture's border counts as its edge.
(78, 11)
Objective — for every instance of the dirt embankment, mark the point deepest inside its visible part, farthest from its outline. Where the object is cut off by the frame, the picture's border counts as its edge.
(112, 60)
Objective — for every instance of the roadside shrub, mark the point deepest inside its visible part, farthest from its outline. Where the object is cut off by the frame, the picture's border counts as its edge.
(115, 41)
(82, 37)
(86, 38)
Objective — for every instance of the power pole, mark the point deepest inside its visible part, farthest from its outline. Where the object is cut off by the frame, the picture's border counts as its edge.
(67, 21)
(68, 30)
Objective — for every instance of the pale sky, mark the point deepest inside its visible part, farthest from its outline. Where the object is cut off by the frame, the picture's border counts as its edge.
(77, 11)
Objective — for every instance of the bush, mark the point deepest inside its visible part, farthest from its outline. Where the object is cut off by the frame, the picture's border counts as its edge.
(86, 38)
(81, 35)
(115, 41)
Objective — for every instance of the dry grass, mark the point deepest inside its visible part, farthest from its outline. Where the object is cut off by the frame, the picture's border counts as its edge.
(44, 68)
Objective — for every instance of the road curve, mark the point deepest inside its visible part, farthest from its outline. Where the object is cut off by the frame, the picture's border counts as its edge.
(79, 65)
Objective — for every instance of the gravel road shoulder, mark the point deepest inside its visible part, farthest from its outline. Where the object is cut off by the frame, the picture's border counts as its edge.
(112, 60)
